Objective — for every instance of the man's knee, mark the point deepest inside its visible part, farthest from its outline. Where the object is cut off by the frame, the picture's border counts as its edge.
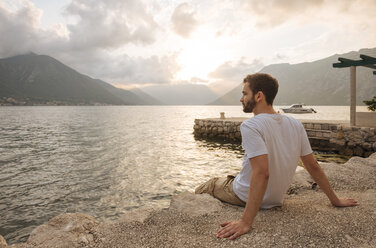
(207, 187)
(220, 188)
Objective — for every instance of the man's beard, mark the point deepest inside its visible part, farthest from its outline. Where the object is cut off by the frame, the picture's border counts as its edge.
(249, 107)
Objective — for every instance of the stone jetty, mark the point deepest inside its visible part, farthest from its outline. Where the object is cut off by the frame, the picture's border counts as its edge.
(332, 136)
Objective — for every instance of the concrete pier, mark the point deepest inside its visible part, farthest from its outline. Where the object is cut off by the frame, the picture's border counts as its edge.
(335, 136)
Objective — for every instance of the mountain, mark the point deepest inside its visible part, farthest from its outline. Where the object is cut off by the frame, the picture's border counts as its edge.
(132, 97)
(315, 83)
(148, 99)
(182, 94)
(39, 79)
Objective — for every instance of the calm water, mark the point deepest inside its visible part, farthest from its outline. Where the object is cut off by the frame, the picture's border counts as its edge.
(106, 160)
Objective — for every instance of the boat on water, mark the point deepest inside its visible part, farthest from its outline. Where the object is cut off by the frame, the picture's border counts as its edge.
(298, 109)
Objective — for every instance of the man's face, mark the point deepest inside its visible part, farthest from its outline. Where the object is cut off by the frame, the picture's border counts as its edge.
(247, 99)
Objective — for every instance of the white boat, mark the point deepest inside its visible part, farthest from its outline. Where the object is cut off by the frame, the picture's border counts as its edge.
(298, 109)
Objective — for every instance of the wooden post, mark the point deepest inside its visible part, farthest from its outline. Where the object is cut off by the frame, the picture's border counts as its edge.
(352, 95)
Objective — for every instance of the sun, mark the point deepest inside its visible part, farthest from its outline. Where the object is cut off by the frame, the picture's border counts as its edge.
(199, 56)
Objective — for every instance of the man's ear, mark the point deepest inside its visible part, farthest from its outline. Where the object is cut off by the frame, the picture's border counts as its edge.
(259, 96)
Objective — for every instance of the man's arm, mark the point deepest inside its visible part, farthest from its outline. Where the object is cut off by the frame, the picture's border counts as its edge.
(320, 178)
(257, 188)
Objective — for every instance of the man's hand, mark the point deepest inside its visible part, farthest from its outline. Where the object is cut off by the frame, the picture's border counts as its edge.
(233, 229)
(345, 202)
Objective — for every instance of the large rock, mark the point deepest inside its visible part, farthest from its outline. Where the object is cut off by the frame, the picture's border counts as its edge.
(301, 180)
(356, 174)
(64, 230)
(3, 242)
(138, 215)
(195, 205)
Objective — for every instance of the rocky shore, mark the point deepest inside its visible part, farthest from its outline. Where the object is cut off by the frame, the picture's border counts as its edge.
(305, 220)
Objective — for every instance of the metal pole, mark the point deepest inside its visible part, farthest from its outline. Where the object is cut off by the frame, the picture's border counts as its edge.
(352, 95)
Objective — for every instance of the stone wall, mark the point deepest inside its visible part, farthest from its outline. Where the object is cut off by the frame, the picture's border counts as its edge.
(218, 129)
(357, 141)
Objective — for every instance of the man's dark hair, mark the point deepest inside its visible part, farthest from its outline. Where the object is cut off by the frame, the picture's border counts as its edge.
(263, 82)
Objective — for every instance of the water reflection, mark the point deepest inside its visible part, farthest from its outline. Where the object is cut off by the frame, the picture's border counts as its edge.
(218, 146)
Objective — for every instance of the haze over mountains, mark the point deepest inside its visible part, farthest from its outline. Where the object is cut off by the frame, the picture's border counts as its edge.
(315, 83)
(182, 94)
(39, 79)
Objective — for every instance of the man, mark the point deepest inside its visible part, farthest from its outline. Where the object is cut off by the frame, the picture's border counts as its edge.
(273, 144)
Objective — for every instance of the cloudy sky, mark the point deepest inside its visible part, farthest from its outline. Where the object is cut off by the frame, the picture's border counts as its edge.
(134, 43)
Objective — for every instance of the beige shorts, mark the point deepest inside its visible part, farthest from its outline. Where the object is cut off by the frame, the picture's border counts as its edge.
(221, 188)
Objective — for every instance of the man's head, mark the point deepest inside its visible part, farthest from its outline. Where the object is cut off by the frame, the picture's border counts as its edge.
(258, 88)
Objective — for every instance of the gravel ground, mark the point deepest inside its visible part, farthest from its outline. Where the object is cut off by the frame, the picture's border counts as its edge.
(306, 219)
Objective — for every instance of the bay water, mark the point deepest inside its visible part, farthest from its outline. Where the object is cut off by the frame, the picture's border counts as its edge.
(107, 160)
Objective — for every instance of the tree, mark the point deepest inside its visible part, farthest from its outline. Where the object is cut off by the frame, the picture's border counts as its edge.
(371, 104)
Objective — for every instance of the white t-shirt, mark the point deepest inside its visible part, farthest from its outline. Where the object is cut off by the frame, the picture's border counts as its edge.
(284, 140)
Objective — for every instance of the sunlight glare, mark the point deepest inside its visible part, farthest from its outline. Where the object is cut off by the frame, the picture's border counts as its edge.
(200, 55)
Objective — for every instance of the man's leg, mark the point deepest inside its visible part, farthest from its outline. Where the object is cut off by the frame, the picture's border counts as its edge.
(221, 188)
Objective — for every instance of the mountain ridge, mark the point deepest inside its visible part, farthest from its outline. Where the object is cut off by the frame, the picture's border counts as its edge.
(315, 82)
(33, 79)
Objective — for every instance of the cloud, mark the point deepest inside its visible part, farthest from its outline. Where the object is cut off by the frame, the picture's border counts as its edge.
(227, 29)
(89, 44)
(127, 42)
(236, 71)
(272, 13)
(231, 73)
(104, 24)
(197, 80)
(183, 20)
(280, 56)
(122, 69)
(137, 70)
(18, 29)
